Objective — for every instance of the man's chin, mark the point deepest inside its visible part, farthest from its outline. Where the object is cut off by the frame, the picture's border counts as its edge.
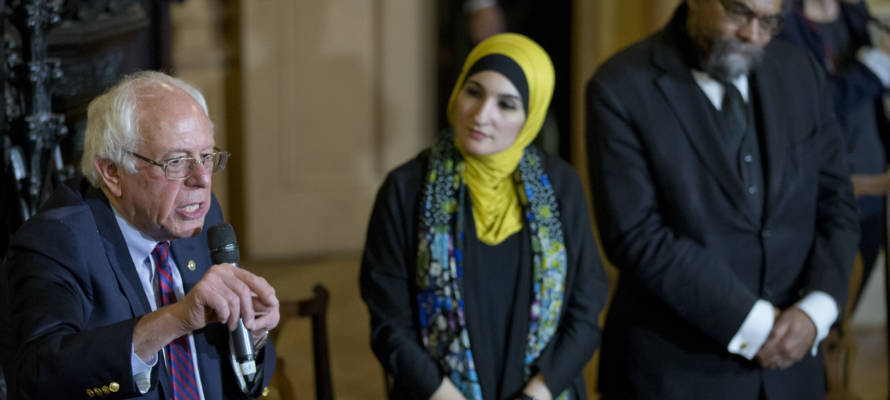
(732, 65)
(729, 59)
(738, 64)
(192, 229)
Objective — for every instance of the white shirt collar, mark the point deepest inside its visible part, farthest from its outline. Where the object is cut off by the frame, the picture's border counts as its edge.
(139, 245)
(714, 89)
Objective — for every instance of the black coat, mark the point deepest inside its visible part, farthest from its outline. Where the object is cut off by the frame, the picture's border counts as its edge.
(673, 217)
(388, 287)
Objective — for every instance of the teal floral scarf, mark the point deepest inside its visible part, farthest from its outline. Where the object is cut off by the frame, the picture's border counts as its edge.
(440, 262)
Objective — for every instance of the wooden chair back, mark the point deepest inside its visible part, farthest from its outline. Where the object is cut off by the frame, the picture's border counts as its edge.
(315, 308)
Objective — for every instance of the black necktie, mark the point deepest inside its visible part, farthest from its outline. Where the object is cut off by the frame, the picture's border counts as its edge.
(734, 111)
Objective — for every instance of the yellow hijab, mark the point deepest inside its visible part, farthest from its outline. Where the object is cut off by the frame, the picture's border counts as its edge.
(496, 209)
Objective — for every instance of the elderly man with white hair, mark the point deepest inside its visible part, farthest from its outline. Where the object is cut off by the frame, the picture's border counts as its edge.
(110, 290)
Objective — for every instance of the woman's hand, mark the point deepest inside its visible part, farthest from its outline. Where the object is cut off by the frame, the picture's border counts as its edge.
(447, 391)
(537, 388)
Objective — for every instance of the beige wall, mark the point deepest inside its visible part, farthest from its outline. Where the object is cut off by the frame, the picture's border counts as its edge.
(334, 96)
(324, 97)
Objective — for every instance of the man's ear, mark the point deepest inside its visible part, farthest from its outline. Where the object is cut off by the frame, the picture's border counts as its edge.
(110, 174)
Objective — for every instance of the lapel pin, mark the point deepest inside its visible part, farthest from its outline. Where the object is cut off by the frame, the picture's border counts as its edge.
(191, 265)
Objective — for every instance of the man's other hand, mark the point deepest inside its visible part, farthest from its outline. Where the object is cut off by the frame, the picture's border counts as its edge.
(227, 293)
(791, 338)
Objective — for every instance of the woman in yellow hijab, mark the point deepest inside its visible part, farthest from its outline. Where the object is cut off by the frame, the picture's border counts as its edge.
(480, 270)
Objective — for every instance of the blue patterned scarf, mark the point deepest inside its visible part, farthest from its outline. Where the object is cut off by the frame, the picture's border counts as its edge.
(440, 262)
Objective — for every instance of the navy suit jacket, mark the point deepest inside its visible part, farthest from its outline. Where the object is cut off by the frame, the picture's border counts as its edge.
(73, 299)
(673, 216)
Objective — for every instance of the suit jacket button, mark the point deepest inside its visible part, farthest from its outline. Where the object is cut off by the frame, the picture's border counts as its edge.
(191, 265)
(266, 391)
(105, 390)
(114, 387)
(90, 392)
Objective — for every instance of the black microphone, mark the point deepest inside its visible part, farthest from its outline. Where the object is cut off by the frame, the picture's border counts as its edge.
(224, 249)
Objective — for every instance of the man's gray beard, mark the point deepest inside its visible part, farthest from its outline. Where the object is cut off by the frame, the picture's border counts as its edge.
(731, 58)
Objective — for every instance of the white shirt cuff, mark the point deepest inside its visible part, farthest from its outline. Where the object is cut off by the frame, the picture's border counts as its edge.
(754, 330)
(822, 309)
(142, 369)
(473, 5)
(877, 61)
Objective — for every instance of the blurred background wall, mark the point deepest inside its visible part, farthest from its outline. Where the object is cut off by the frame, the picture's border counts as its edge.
(318, 100)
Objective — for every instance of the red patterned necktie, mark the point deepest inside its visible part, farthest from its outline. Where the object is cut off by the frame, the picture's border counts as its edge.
(179, 354)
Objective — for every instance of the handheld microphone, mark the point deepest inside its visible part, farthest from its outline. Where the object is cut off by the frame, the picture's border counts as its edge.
(224, 249)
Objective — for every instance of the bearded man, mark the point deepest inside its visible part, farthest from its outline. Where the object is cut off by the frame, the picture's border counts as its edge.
(723, 197)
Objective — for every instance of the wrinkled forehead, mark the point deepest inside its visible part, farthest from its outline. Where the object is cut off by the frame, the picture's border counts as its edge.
(764, 7)
(758, 7)
(168, 114)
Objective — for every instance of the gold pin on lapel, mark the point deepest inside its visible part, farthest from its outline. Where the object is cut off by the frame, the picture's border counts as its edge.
(191, 265)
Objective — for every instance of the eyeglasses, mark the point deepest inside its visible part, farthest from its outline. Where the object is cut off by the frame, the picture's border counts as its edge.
(181, 168)
(741, 15)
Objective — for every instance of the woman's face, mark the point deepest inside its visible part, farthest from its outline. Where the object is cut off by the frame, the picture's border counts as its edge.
(488, 113)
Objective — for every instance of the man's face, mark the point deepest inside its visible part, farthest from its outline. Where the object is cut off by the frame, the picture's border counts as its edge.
(172, 125)
(731, 34)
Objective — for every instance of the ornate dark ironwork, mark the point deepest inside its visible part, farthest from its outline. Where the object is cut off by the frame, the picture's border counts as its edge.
(55, 56)
(31, 131)
(96, 71)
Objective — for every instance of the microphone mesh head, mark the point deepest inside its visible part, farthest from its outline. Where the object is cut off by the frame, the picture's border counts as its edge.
(223, 244)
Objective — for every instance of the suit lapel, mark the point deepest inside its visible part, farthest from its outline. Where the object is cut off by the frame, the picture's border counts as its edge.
(116, 252)
(192, 259)
(769, 90)
(691, 107)
(184, 251)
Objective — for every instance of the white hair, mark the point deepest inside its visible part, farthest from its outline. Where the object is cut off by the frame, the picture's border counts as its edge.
(113, 120)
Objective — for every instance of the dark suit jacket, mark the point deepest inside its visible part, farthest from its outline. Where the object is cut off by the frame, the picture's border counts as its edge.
(673, 218)
(73, 298)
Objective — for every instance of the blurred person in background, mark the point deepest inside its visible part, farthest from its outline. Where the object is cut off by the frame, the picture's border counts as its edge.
(858, 72)
(463, 24)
